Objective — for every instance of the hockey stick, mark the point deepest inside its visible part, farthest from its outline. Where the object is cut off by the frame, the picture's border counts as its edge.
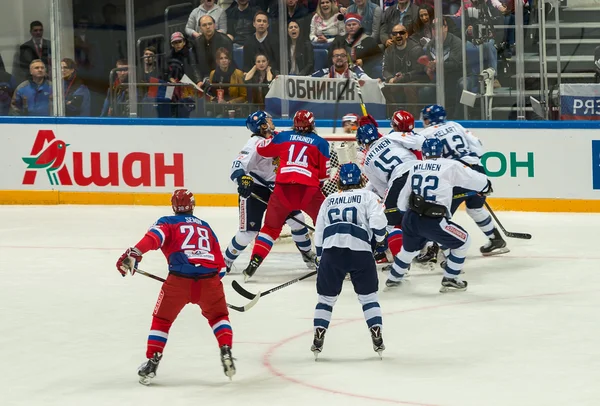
(291, 217)
(249, 295)
(459, 196)
(236, 308)
(522, 236)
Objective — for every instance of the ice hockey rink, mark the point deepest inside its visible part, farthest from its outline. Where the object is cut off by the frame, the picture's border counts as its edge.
(73, 331)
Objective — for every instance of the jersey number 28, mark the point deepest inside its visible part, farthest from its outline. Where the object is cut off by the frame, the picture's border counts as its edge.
(196, 238)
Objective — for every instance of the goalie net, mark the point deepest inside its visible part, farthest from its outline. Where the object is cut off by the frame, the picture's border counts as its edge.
(343, 149)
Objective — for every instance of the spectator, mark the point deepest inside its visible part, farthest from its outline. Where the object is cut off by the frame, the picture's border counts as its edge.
(344, 4)
(341, 67)
(116, 103)
(480, 36)
(82, 44)
(452, 60)
(239, 22)
(404, 13)
(363, 51)
(227, 73)
(371, 17)
(261, 73)
(150, 65)
(400, 65)
(182, 61)
(301, 58)
(325, 24)
(33, 97)
(76, 95)
(207, 45)
(36, 48)
(423, 29)
(295, 12)
(261, 42)
(7, 89)
(207, 7)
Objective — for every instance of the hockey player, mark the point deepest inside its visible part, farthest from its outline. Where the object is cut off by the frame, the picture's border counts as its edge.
(350, 123)
(303, 165)
(385, 162)
(195, 262)
(347, 222)
(425, 201)
(255, 174)
(461, 145)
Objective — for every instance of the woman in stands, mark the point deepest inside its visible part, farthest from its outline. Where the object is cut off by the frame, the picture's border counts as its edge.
(301, 58)
(326, 24)
(76, 94)
(423, 28)
(226, 73)
(261, 73)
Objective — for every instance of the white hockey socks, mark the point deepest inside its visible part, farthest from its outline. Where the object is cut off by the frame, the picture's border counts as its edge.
(401, 264)
(238, 244)
(483, 220)
(456, 260)
(300, 233)
(371, 309)
(323, 311)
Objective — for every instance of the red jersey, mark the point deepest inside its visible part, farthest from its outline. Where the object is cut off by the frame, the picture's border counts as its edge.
(189, 244)
(303, 157)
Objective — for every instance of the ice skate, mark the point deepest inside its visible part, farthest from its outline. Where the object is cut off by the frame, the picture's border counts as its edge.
(381, 258)
(227, 361)
(147, 371)
(453, 285)
(390, 284)
(228, 266)
(495, 246)
(318, 340)
(378, 346)
(309, 258)
(429, 257)
(252, 267)
(386, 268)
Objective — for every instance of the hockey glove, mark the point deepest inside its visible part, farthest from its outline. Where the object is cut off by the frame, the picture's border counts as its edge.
(128, 261)
(381, 246)
(488, 189)
(245, 185)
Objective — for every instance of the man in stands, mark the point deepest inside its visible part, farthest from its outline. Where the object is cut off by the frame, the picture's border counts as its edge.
(36, 48)
(340, 67)
(207, 44)
(239, 22)
(405, 13)
(33, 97)
(260, 42)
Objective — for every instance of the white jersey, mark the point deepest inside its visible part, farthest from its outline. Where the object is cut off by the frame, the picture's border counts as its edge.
(459, 143)
(435, 179)
(349, 219)
(386, 155)
(249, 162)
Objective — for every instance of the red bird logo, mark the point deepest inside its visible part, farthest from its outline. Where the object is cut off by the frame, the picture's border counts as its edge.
(51, 159)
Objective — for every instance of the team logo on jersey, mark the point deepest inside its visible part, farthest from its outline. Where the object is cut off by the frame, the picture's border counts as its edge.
(134, 169)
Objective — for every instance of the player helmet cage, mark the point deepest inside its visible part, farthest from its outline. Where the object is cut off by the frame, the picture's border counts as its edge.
(435, 113)
(350, 176)
(366, 134)
(432, 148)
(304, 121)
(256, 120)
(403, 121)
(183, 201)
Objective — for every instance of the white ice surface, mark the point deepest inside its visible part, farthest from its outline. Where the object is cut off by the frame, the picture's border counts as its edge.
(73, 331)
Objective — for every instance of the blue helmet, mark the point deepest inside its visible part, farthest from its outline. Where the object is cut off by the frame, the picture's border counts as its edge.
(255, 120)
(366, 134)
(432, 147)
(435, 113)
(350, 174)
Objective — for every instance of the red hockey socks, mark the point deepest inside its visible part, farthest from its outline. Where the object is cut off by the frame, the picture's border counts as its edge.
(395, 241)
(222, 330)
(157, 339)
(264, 241)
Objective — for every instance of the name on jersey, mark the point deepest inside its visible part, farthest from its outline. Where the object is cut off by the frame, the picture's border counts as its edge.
(428, 166)
(444, 131)
(344, 200)
(383, 144)
(301, 138)
(193, 220)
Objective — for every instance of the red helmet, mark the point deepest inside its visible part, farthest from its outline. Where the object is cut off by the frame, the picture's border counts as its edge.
(183, 201)
(403, 121)
(304, 121)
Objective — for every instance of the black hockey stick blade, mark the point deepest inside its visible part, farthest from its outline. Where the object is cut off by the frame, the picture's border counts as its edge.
(249, 295)
(236, 308)
(509, 234)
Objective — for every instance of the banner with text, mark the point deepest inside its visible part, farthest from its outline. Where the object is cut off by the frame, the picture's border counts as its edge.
(580, 101)
(319, 95)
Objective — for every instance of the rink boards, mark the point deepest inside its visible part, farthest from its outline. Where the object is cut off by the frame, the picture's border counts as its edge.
(90, 162)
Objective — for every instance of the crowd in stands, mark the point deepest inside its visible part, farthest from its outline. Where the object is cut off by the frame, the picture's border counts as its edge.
(231, 51)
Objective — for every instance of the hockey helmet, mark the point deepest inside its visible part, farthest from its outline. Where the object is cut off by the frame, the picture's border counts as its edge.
(366, 134)
(435, 113)
(304, 121)
(432, 148)
(256, 120)
(183, 201)
(350, 174)
(403, 121)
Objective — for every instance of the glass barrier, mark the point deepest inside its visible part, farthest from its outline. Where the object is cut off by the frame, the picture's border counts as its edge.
(502, 59)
